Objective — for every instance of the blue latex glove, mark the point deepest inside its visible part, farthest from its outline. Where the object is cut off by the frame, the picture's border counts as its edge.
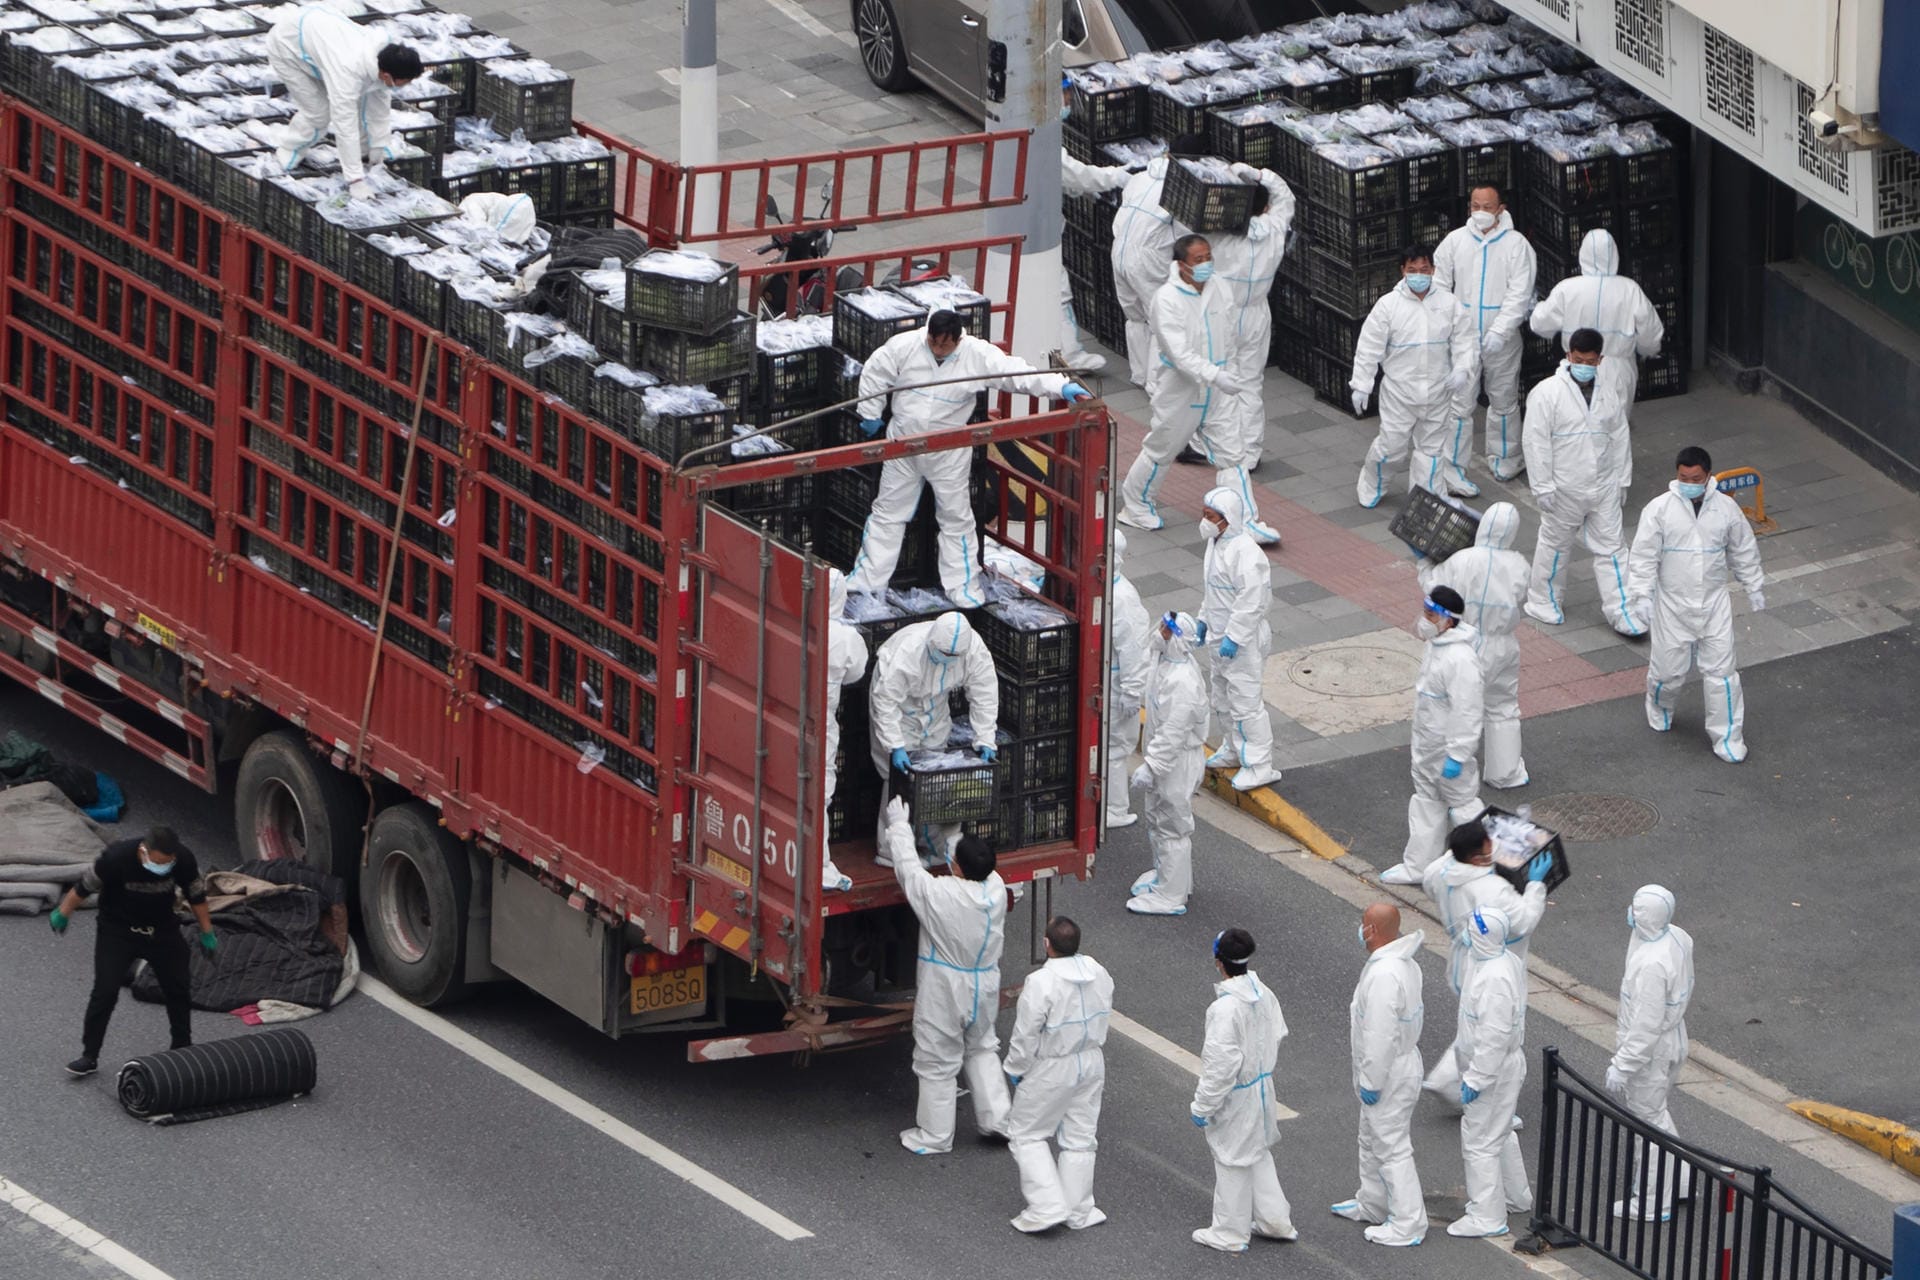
(1228, 648)
(1014, 1081)
(1369, 1096)
(1452, 768)
(900, 759)
(872, 426)
(1537, 869)
(1199, 1122)
(209, 942)
(1074, 392)
(59, 920)
(1467, 1094)
(988, 754)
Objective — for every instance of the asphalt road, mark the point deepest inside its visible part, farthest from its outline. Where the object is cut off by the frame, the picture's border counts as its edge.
(412, 1159)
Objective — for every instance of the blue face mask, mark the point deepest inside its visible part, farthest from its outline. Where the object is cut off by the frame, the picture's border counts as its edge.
(156, 868)
(1362, 931)
(1202, 273)
(1692, 492)
(1630, 924)
(1582, 373)
(1064, 113)
(1419, 281)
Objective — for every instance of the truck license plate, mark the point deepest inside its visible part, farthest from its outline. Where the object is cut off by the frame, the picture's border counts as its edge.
(677, 988)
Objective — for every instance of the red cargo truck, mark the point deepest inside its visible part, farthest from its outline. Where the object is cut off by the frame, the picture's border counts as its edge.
(555, 712)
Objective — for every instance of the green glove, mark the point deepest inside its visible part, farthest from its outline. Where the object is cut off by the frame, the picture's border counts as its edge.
(208, 942)
(59, 920)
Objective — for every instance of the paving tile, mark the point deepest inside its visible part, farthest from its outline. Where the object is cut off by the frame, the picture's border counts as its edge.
(1803, 614)
(1302, 593)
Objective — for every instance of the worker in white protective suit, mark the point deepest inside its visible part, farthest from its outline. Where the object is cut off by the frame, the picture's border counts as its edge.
(1575, 423)
(1192, 389)
(1131, 638)
(1650, 1043)
(1143, 236)
(1492, 1045)
(1245, 265)
(1492, 578)
(340, 76)
(1602, 299)
(963, 926)
(941, 351)
(1423, 346)
(1174, 763)
(1233, 608)
(1384, 1021)
(1235, 1102)
(514, 217)
(1448, 714)
(1078, 179)
(1460, 882)
(846, 664)
(1058, 1068)
(1689, 542)
(1489, 267)
(915, 674)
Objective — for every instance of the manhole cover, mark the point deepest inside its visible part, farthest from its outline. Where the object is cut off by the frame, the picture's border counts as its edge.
(1362, 671)
(1596, 817)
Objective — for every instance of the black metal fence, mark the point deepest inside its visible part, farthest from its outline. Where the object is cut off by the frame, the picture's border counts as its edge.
(1727, 1221)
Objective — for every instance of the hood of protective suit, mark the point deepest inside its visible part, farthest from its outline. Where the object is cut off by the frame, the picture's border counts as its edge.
(1487, 932)
(1183, 642)
(1404, 947)
(1599, 255)
(512, 216)
(1119, 550)
(1075, 968)
(1498, 528)
(1459, 873)
(1228, 504)
(1245, 987)
(836, 594)
(1652, 911)
(1501, 224)
(1458, 633)
(949, 638)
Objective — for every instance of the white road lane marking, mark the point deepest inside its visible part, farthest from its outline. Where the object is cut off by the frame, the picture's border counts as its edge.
(580, 1109)
(1155, 1043)
(1837, 562)
(801, 18)
(78, 1233)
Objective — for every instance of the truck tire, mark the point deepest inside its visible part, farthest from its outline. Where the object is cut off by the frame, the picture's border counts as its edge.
(414, 893)
(289, 803)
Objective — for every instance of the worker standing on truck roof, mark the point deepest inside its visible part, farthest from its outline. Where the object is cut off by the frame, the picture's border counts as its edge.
(341, 77)
(915, 673)
(137, 881)
(963, 926)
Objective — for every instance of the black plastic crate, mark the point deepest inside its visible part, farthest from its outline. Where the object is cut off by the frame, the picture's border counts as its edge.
(423, 296)
(1075, 142)
(457, 75)
(1110, 115)
(438, 100)
(541, 111)
(1168, 117)
(1648, 228)
(1664, 376)
(1253, 141)
(1355, 240)
(1291, 298)
(1090, 216)
(1661, 275)
(1558, 232)
(1331, 378)
(1083, 256)
(1291, 352)
(1435, 527)
(1515, 873)
(1648, 175)
(583, 186)
(1039, 707)
(788, 380)
(956, 793)
(661, 301)
(1044, 816)
(684, 359)
(1028, 654)
(1431, 177)
(286, 217)
(371, 268)
(331, 244)
(1207, 207)
(1490, 164)
(234, 189)
(789, 493)
(1356, 192)
(1044, 761)
(1333, 333)
(859, 334)
(1566, 184)
(975, 309)
(1348, 289)
(1327, 95)
(674, 435)
(849, 492)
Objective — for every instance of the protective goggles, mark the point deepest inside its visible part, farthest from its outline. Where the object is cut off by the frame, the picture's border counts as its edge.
(1440, 611)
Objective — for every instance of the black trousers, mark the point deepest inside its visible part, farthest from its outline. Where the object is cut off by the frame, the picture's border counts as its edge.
(114, 951)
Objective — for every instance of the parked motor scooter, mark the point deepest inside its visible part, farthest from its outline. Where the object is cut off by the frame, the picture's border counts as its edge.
(804, 246)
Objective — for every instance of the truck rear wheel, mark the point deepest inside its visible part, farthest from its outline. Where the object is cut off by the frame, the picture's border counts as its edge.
(413, 904)
(288, 803)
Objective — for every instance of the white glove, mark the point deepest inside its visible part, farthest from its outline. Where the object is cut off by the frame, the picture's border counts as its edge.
(1616, 1081)
(1496, 341)
(1457, 380)
(1142, 779)
(1757, 601)
(896, 812)
(1227, 384)
(361, 189)
(1360, 403)
(1545, 500)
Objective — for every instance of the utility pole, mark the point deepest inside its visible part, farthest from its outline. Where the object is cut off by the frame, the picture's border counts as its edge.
(1023, 92)
(700, 104)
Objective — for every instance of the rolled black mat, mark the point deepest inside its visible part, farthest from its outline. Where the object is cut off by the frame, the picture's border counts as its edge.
(219, 1078)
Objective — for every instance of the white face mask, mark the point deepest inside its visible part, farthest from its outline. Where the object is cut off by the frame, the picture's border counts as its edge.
(1209, 530)
(1426, 628)
(1482, 220)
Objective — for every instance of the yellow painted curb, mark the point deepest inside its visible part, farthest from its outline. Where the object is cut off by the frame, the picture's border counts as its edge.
(1888, 1139)
(1265, 804)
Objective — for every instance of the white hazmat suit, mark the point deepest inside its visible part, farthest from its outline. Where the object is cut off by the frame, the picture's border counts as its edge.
(1492, 1044)
(1143, 236)
(904, 361)
(1235, 1096)
(1423, 346)
(1602, 299)
(1193, 345)
(1132, 641)
(1384, 1022)
(1681, 561)
(963, 926)
(1059, 1071)
(1574, 444)
(1458, 889)
(1650, 1043)
(1239, 588)
(915, 675)
(1492, 275)
(1175, 760)
(846, 664)
(1077, 179)
(513, 216)
(330, 65)
(1448, 715)
(1246, 265)
(1492, 578)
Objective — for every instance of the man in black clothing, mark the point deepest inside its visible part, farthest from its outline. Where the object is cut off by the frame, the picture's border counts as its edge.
(137, 881)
